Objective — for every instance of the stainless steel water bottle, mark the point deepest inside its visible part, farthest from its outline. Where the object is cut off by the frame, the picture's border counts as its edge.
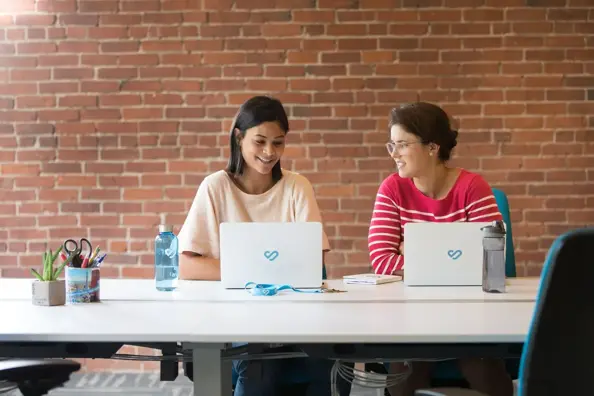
(494, 257)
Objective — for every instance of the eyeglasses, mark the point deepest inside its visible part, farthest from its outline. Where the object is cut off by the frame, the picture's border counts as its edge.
(392, 147)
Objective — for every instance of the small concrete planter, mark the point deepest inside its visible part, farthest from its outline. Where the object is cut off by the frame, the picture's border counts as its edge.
(49, 293)
(46, 289)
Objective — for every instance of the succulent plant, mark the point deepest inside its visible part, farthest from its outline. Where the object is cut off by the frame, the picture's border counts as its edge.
(50, 273)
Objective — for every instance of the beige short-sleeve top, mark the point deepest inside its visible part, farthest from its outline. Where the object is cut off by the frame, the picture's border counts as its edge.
(219, 200)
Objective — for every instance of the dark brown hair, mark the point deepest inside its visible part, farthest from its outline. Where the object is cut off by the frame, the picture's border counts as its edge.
(429, 122)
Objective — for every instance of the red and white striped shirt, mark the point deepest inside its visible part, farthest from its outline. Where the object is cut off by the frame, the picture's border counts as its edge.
(399, 201)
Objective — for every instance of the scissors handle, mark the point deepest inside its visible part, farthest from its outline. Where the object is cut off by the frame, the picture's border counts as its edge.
(86, 258)
(74, 255)
(88, 244)
(71, 251)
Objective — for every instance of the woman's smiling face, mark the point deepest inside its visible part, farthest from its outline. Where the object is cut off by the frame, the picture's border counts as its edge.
(262, 146)
(412, 157)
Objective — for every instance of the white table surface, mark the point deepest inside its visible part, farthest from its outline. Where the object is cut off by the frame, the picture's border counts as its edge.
(132, 310)
(286, 321)
(518, 290)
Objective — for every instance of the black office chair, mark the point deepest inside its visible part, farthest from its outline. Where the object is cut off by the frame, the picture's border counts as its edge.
(557, 358)
(35, 377)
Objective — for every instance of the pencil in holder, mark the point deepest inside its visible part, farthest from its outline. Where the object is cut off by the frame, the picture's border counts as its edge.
(82, 285)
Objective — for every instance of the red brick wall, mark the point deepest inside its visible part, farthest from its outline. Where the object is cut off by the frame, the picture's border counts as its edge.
(113, 111)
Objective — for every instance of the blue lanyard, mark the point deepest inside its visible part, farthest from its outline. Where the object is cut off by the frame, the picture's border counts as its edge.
(265, 289)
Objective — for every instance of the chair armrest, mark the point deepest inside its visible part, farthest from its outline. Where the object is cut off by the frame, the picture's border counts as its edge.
(448, 392)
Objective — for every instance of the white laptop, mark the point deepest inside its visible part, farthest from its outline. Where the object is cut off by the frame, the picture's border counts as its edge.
(276, 253)
(443, 254)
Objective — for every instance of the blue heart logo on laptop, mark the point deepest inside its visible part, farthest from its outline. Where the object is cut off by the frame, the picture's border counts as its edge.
(454, 254)
(271, 255)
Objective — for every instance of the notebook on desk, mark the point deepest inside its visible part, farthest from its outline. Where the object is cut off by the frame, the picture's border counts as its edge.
(443, 254)
(273, 253)
(370, 279)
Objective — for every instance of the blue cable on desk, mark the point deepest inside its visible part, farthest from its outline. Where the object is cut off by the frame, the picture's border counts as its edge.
(265, 289)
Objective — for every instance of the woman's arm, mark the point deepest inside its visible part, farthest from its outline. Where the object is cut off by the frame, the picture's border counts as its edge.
(480, 201)
(199, 238)
(192, 266)
(384, 234)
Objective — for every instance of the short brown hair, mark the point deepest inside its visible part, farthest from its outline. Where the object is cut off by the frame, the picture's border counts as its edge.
(429, 122)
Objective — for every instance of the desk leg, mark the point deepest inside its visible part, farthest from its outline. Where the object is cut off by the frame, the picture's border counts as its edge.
(212, 375)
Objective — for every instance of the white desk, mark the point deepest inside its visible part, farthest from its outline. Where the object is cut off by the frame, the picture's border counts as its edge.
(518, 290)
(202, 322)
(206, 316)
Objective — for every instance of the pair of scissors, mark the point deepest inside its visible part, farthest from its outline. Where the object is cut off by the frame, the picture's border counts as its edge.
(74, 255)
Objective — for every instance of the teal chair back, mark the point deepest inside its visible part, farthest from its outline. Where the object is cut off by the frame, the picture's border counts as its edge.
(566, 281)
(510, 257)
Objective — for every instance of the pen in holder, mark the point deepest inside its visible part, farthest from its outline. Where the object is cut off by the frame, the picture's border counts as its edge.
(82, 285)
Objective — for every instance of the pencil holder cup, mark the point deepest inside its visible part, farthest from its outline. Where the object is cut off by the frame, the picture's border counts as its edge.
(82, 285)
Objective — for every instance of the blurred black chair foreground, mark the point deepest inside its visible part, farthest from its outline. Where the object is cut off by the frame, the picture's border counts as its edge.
(35, 377)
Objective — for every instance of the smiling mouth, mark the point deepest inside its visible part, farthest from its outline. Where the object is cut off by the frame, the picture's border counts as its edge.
(399, 164)
(265, 162)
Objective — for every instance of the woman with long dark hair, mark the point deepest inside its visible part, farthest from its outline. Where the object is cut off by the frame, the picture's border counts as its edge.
(254, 188)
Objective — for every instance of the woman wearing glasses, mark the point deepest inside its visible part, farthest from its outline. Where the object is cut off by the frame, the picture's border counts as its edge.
(425, 188)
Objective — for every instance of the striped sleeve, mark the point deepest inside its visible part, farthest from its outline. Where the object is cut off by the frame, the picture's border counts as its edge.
(384, 234)
(482, 205)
